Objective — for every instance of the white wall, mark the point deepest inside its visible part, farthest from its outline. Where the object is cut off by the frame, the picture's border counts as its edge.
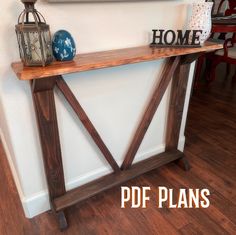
(114, 98)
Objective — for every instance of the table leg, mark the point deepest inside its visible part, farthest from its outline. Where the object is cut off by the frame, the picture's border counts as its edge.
(45, 109)
(177, 99)
(151, 108)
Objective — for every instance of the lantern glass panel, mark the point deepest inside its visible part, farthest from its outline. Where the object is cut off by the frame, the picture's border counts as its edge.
(21, 44)
(47, 48)
(33, 51)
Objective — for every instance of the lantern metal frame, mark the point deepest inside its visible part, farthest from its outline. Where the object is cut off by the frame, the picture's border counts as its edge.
(40, 29)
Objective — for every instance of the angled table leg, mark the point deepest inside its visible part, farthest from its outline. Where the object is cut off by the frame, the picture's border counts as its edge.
(88, 125)
(177, 99)
(44, 103)
(151, 108)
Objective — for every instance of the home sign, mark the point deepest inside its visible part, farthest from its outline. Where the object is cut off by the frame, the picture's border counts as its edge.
(180, 38)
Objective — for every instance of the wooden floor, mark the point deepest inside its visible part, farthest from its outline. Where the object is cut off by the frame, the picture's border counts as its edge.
(211, 150)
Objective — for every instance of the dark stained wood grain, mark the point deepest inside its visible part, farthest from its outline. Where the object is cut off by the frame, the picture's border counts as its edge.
(106, 182)
(104, 59)
(176, 106)
(152, 106)
(210, 148)
(45, 110)
(62, 221)
(66, 91)
(188, 59)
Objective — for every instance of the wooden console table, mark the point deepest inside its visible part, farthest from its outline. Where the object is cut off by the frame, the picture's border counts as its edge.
(43, 80)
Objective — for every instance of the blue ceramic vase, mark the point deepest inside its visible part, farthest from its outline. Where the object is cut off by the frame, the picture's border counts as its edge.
(63, 46)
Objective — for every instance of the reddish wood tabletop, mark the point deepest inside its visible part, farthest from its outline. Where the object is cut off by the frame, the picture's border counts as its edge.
(104, 59)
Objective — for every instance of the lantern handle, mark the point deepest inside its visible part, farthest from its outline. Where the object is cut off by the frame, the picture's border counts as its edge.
(38, 13)
(38, 17)
(21, 16)
(35, 18)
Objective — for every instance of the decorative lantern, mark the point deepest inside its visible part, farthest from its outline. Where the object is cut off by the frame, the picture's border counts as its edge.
(33, 37)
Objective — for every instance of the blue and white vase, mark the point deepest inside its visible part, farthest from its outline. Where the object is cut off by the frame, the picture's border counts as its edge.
(201, 19)
(63, 46)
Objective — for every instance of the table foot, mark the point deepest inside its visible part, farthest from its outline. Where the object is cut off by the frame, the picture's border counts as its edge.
(61, 218)
(183, 163)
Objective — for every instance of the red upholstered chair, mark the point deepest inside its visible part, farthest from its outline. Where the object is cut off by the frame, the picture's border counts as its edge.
(227, 55)
(232, 8)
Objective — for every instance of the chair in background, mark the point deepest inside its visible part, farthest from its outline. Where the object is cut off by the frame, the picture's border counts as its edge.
(227, 55)
(232, 7)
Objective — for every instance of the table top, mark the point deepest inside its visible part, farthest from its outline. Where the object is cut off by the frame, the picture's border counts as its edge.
(105, 59)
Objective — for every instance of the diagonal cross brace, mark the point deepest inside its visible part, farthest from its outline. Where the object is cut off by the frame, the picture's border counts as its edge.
(152, 106)
(74, 103)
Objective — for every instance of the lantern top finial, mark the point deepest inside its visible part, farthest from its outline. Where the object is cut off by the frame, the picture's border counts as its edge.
(29, 4)
(29, 1)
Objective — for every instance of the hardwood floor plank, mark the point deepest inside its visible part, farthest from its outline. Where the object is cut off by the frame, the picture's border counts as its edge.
(215, 179)
(190, 229)
(203, 217)
(210, 148)
(12, 219)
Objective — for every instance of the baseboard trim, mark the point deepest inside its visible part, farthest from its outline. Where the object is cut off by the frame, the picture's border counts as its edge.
(39, 202)
(181, 143)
